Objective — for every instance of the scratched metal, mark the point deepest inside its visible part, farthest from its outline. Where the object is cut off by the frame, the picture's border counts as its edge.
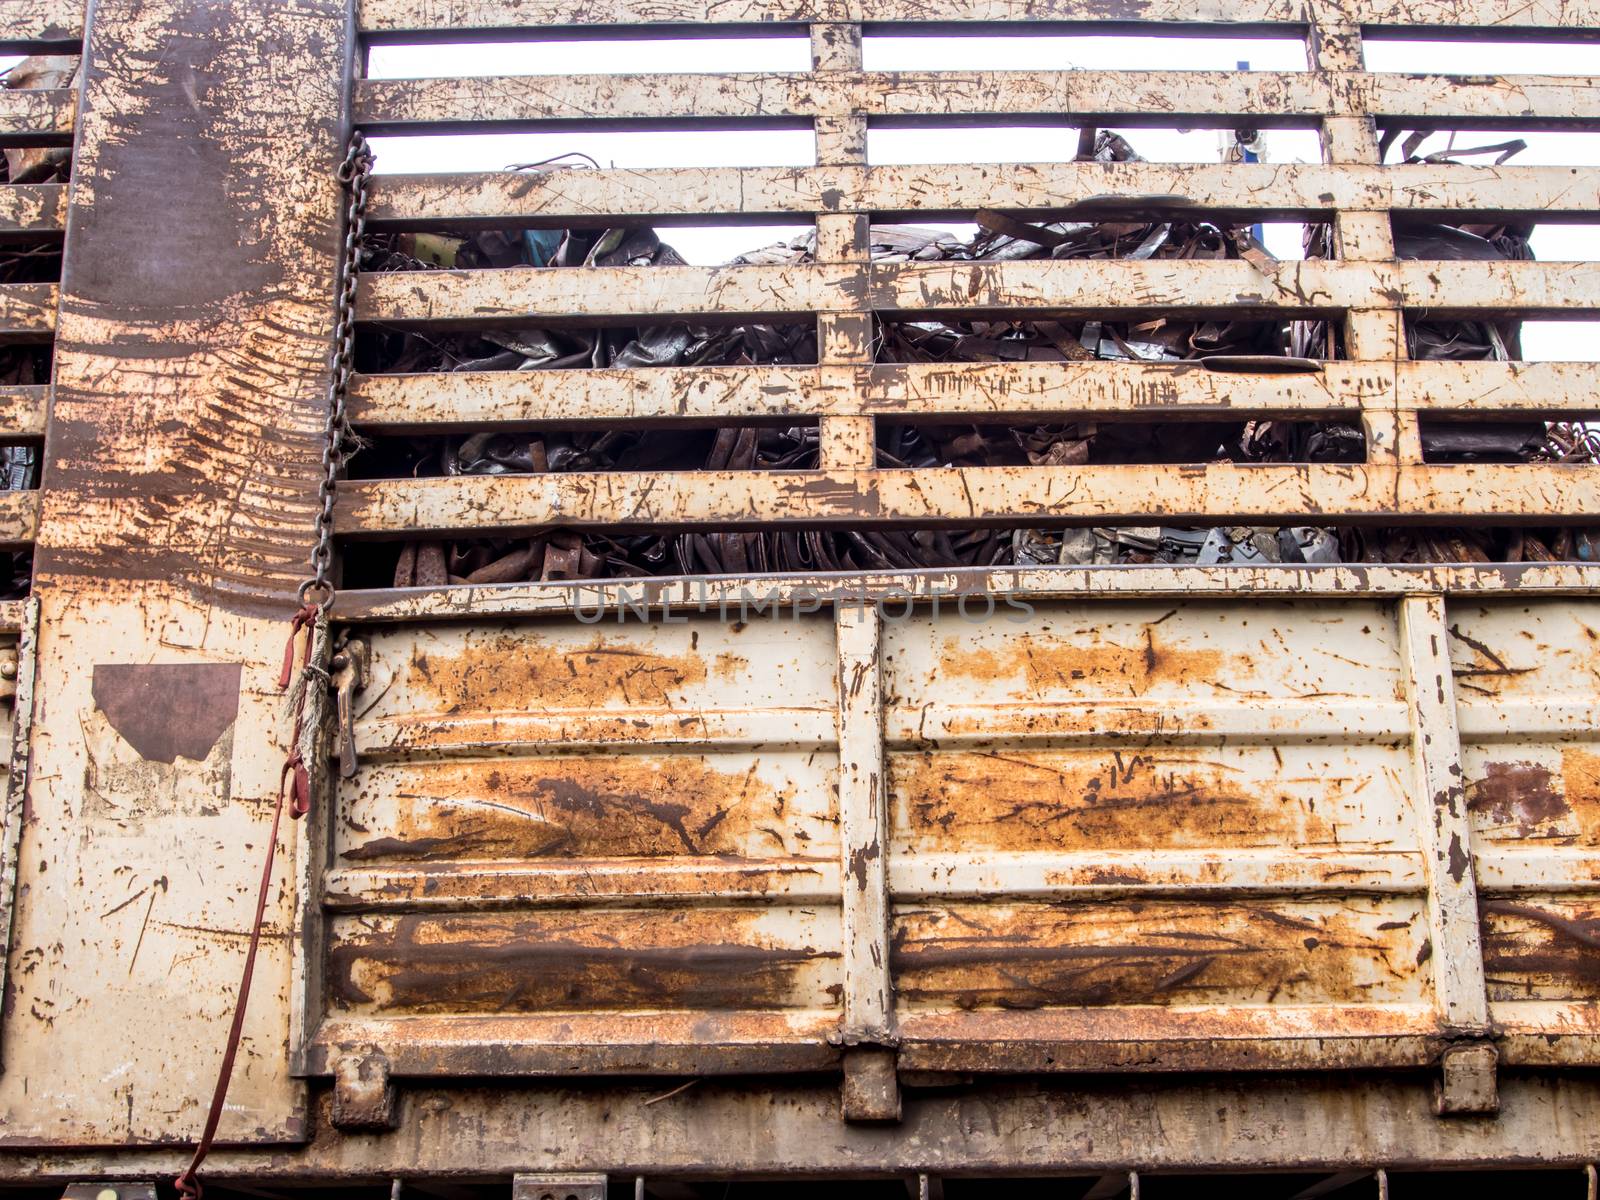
(388, 16)
(564, 828)
(1527, 680)
(1146, 822)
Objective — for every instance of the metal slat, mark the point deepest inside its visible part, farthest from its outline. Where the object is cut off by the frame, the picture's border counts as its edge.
(1272, 98)
(1261, 191)
(1174, 288)
(33, 208)
(1108, 494)
(384, 605)
(37, 115)
(23, 409)
(402, 16)
(26, 26)
(1525, 288)
(19, 518)
(27, 309)
(468, 400)
(415, 104)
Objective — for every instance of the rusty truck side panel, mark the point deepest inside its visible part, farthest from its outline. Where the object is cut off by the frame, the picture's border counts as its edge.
(1292, 868)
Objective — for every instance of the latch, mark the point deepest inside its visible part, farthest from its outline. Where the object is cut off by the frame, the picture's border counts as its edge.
(351, 665)
(1467, 1083)
(363, 1092)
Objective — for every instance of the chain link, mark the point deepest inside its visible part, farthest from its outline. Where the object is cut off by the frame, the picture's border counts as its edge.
(354, 174)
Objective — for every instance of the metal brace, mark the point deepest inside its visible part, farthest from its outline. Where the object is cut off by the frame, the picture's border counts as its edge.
(558, 1187)
(1467, 1083)
(352, 665)
(363, 1093)
(871, 1090)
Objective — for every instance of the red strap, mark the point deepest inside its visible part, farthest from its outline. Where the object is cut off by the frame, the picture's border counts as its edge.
(302, 618)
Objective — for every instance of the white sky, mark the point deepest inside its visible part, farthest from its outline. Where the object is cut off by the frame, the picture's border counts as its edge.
(995, 143)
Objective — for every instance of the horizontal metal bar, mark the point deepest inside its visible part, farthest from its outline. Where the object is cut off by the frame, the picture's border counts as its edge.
(459, 887)
(719, 1129)
(19, 519)
(658, 1043)
(393, 106)
(952, 496)
(1278, 1037)
(33, 208)
(1266, 191)
(476, 886)
(30, 26)
(1354, 582)
(22, 409)
(27, 310)
(950, 725)
(1516, 718)
(430, 735)
(1267, 98)
(985, 874)
(720, 395)
(597, 295)
(1100, 1039)
(603, 293)
(30, 115)
(1514, 868)
(399, 16)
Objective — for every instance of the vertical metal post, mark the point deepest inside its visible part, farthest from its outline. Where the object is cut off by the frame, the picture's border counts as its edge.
(1443, 830)
(843, 338)
(871, 1092)
(1370, 335)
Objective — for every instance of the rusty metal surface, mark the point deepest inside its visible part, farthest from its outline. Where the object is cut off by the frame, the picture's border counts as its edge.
(36, 208)
(1272, 98)
(719, 1129)
(388, 16)
(27, 310)
(953, 496)
(1138, 827)
(174, 520)
(1262, 191)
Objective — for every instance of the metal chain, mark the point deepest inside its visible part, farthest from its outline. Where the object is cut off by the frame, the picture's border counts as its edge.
(354, 174)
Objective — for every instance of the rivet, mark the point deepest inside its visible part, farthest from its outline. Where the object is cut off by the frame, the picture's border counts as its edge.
(103, 1193)
(8, 670)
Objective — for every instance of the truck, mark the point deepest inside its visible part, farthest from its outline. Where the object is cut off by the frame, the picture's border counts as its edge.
(1088, 706)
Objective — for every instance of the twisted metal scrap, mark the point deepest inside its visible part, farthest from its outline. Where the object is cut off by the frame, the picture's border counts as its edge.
(573, 554)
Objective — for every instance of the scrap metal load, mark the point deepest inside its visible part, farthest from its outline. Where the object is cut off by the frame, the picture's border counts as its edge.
(1167, 231)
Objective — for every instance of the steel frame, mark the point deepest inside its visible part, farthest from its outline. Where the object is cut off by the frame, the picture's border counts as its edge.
(120, 552)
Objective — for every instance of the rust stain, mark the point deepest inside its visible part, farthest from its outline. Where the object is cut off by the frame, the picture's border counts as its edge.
(1544, 951)
(1536, 800)
(168, 710)
(612, 806)
(1047, 665)
(512, 671)
(1090, 955)
(543, 961)
(1524, 794)
(1069, 800)
(1580, 775)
